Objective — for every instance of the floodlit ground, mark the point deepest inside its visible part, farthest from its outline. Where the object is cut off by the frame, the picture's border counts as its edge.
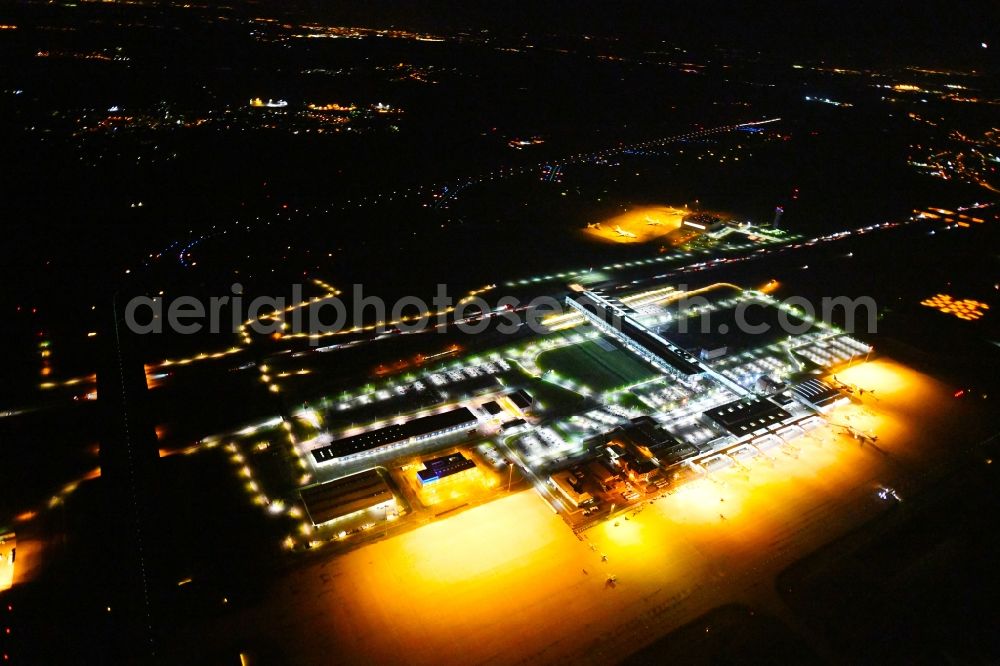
(509, 582)
(451, 491)
(6, 563)
(639, 225)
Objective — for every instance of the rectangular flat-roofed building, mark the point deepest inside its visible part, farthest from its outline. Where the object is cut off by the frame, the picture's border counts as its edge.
(492, 408)
(416, 430)
(522, 400)
(443, 467)
(703, 222)
(567, 486)
(327, 502)
(745, 417)
(646, 433)
(513, 424)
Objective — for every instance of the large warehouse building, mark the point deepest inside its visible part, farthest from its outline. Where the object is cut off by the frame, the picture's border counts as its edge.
(396, 435)
(365, 491)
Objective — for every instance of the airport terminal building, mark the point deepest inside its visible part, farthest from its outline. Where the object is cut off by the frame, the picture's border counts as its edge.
(618, 320)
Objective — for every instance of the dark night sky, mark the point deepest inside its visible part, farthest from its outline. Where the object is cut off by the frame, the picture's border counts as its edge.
(897, 31)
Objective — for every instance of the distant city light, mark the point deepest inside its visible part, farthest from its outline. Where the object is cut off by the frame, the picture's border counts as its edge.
(966, 308)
